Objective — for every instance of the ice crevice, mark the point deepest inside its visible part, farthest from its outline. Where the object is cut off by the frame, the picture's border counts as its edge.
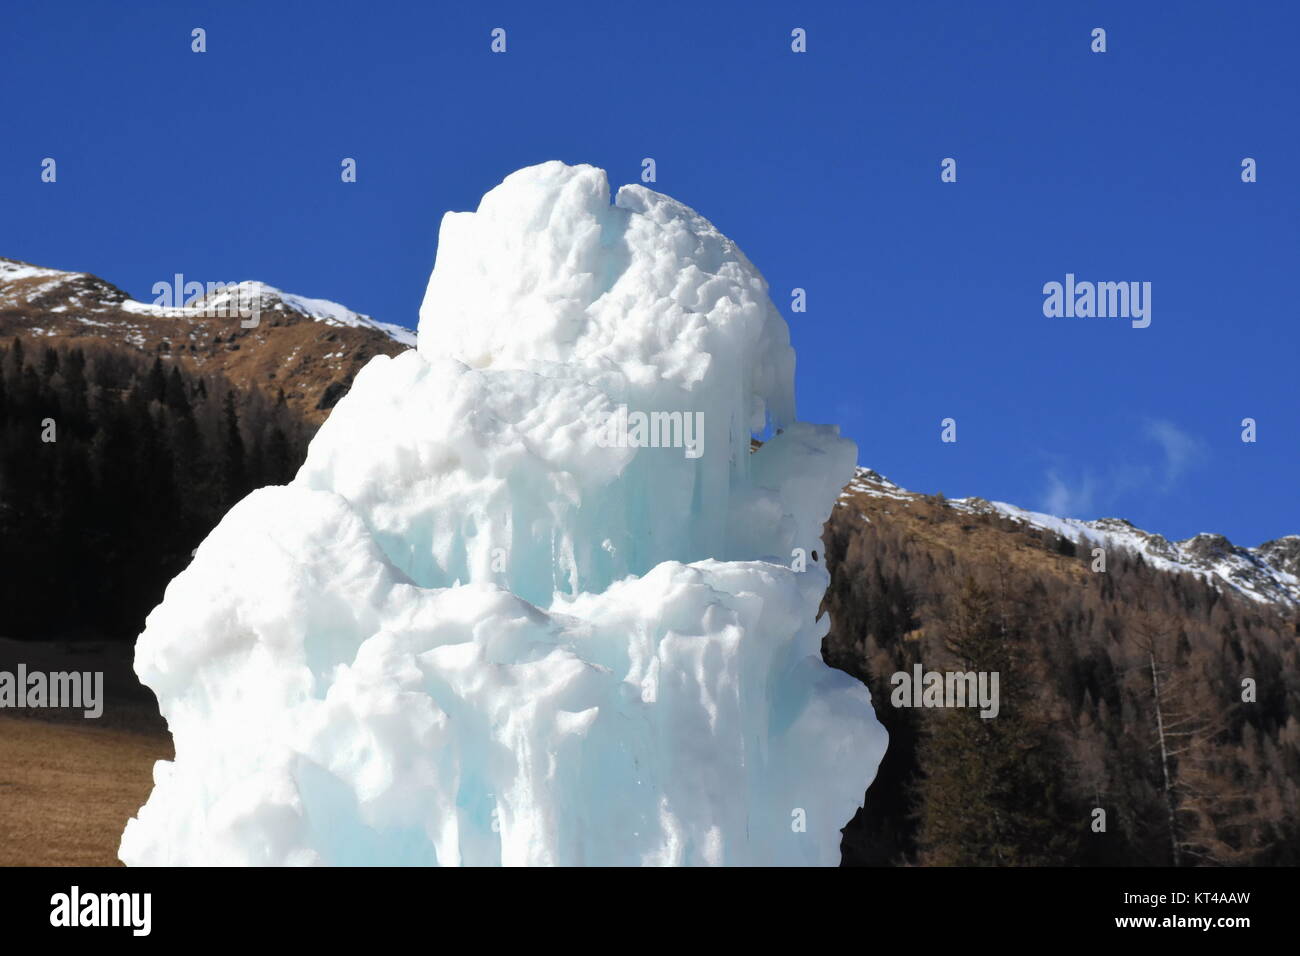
(472, 631)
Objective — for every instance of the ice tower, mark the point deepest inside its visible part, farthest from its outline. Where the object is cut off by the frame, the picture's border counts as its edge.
(470, 631)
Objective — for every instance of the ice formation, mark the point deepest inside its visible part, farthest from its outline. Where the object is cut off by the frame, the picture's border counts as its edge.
(473, 630)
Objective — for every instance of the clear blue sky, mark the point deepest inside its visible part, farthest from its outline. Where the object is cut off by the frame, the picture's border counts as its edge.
(924, 297)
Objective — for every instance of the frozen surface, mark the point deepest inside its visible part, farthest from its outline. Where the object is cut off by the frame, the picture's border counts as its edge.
(471, 631)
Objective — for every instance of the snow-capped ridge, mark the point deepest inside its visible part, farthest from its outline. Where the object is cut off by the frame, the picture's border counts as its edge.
(22, 283)
(11, 270)
(269, 298)
(1268, 574)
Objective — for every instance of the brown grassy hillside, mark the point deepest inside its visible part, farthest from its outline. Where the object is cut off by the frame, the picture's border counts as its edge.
(915, 579)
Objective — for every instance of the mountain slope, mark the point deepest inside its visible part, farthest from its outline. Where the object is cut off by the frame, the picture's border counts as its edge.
(917, 581)
(1268, 574)
(310, 348)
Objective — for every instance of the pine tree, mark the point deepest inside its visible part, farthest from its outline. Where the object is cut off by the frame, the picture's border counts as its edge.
(279, 458)
(993, 789)
(233, 455)
(175, 394)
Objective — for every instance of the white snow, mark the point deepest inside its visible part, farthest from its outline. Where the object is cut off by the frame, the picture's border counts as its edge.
(149, 308)
(471, 632)
(240, 294)
(11, 271)
(331, 313)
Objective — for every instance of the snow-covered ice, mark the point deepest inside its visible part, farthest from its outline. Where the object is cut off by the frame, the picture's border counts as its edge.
(472, 632)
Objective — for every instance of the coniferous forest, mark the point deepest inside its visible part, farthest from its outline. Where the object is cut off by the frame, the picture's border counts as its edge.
(113, 467)
(1121, 692)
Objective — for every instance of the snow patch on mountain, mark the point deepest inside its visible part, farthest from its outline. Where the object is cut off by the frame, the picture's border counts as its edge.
(11, 270)
(24, 284)
(1268, 574)
(269, 298)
